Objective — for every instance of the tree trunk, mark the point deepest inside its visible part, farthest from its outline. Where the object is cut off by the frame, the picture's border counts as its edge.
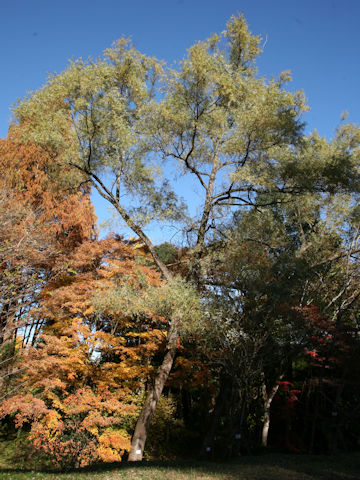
(142, 426)
(266, 426)
(236, 418)
(268, 398)
(5, 322)
(141, 430)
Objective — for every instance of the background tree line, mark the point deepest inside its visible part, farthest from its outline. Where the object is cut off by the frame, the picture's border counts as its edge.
(246, 335)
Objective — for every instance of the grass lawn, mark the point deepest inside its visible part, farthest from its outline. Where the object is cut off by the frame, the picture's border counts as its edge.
(259, 467)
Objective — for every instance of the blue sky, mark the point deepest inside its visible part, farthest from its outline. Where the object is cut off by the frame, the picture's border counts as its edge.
(318, 40)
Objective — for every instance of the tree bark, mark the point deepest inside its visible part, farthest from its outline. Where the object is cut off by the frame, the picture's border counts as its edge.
(266, 425)
(268, 398)
(148, 410)
(195, 269)
(142, 425)
(141, 430)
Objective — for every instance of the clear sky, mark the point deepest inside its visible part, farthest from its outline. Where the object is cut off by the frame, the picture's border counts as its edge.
(318, 40)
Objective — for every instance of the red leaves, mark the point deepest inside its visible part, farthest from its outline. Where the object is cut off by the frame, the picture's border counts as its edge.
(313, 354)
(285, 386)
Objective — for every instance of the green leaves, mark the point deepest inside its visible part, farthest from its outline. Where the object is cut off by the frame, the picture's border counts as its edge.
(88, 116)
(244, 47)
(173, 299)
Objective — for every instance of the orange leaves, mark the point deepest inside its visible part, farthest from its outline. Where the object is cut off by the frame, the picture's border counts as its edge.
(41, 225)
(87, 363)
(81, 425)
(112, 445)
(29, 172)
(26, 407)
(189, 371)
(76, 382)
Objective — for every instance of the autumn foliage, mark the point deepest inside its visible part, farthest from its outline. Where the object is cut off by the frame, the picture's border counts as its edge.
(40, 226)
(79, 369)
(80, 376)
(244, 337)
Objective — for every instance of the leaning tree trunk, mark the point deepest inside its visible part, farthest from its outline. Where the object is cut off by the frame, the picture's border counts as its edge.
(268, 398)
(142, 426)
(141, 430)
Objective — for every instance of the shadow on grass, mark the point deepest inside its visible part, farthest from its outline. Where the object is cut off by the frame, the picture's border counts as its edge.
(255, 467)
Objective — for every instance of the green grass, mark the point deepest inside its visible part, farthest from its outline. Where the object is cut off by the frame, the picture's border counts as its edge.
(259, 467)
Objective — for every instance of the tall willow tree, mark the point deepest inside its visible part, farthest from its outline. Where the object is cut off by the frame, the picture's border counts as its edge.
(117, 119)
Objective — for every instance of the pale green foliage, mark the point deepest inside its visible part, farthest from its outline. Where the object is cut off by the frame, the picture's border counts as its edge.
(321, 166)
(244, 47)
(240, 135)
(177, 299)
(226, 126)
(173, 299)
(89, 116)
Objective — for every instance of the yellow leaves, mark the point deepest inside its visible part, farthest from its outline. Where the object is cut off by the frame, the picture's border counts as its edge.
(18, 343)
(285, 76)
(88, 311)
(113, 443)
(109, 349)
(108, 340)
(184, 363)
(118, 440)
(152, 334)
(52, 420)
(138, 246)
